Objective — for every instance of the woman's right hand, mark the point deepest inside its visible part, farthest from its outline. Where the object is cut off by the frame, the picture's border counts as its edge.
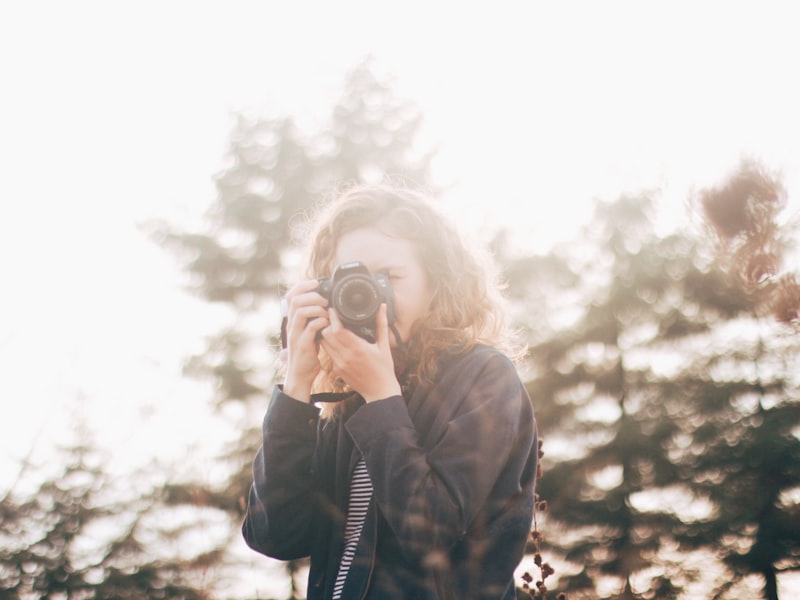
(307, 315)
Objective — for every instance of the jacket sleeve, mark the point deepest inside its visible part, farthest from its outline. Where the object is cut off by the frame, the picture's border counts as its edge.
(281, 502)
(430, 496)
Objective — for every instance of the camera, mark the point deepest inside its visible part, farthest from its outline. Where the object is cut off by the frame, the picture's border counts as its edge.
(357, 294)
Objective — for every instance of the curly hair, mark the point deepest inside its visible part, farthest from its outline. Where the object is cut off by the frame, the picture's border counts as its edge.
(466, 306)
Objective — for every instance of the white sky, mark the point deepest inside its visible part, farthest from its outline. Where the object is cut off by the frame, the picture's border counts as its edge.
(112, 113)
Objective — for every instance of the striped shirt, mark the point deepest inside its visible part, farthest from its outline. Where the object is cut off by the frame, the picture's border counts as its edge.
(360, 494)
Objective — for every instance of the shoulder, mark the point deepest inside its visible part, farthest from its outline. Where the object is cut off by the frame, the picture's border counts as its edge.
(481, 381)
(479, 360)
(478, 374)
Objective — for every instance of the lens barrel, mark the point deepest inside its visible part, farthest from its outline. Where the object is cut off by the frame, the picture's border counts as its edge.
(356, 298)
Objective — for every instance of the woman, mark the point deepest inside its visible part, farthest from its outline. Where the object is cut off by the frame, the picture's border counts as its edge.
(415, 478)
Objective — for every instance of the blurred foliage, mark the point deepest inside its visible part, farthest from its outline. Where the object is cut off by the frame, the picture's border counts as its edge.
(275, 176)
(752, 240)
(655, 382)
(668, 402)
(70, 530)
(643, 353)
(276, 172)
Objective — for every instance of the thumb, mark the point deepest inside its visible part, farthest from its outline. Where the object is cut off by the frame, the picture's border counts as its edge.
(382, 327)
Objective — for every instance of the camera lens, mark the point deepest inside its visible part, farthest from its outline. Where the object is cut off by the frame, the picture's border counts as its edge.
(357, 298)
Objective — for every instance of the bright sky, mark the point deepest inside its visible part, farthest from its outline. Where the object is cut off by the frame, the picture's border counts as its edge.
(113, 113)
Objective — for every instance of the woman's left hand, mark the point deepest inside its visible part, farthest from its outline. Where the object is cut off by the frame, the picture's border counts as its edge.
(367, 368)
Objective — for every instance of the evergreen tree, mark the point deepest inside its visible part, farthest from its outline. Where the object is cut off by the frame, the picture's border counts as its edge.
(742, 453)
(79, 533)
(616, 386)
(275, 174)
(744, 402)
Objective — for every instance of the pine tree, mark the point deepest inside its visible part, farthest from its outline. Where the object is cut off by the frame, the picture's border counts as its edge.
(275, 175)
(745, 401)
(639, 385)
(68, 529)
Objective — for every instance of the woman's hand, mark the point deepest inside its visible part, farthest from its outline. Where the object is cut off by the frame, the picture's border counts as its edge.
(307, 315)
(367, 368)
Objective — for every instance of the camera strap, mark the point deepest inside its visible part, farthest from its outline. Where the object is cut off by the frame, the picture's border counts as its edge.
(400, 343)
(284, 322)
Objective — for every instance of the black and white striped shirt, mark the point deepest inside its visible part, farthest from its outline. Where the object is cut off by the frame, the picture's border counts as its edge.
(360, 494)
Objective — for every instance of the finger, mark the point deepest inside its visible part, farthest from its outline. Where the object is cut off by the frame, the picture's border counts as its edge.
(341, 334)
(307, 299)
(314, 327)
(302, 287)
(300, 318)
(302, 335)
(301, 294)
(329, 334)
(337, 339)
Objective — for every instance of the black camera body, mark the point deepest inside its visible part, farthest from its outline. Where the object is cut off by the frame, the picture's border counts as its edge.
(357, 294)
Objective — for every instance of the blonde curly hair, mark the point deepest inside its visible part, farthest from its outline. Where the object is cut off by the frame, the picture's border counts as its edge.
(466, 306)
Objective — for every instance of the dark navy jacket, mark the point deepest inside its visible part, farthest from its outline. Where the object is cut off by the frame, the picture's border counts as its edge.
(453, 468)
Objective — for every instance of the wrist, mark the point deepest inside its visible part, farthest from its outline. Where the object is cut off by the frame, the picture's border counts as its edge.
(383, 393)
(298, 391)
